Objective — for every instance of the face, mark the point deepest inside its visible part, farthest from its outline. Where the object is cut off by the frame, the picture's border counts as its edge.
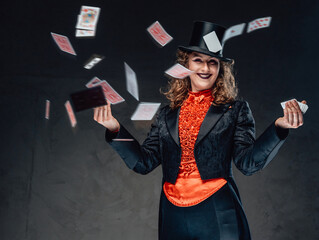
(205, 71)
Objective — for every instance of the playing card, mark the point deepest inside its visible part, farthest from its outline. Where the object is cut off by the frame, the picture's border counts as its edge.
(110, 94)
(159, 34)
(131, 81)
(303, 107)
(212, 42)
(145, 111)
(88, 18)
(233, 31)
(47, 109)
(70, 113)
(93, 60)
(63, 43)
(88, 98)
(92, 82)
(178, 71)
(258, 23)
(81, 33)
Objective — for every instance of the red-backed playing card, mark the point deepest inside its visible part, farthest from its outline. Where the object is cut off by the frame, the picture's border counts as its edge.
(159, 34)
(63, 43)
(110, 94)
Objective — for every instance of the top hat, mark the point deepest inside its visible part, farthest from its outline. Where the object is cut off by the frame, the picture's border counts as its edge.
(206, 38)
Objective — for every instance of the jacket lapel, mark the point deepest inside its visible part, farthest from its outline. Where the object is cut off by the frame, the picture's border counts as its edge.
(172, 124)
(213, 114)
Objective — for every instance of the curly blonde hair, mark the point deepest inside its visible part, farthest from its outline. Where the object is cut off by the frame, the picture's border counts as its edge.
(224, 90)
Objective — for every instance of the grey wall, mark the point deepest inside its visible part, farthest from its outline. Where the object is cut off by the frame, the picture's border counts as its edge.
(62, 183)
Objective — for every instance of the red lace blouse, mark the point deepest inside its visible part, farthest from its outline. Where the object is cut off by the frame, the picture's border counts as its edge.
(189, 188)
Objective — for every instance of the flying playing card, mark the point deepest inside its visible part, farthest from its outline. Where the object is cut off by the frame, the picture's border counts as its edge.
(92, 82)
(88, 98)
(88, 18)
(159, 34)
(178, 71)
(110, 94)
(47, 109)
(81, 33)
(131, 81)
(258, 23)
(70, 113)
(63, 43)
(303, 107)
(212, 42)
(93, 60)
(233, 31)
(145, 111)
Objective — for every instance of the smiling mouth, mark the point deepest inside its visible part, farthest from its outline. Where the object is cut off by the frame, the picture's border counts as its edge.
(204, 76)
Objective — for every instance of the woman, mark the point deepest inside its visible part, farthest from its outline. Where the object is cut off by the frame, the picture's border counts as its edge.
(195, 139)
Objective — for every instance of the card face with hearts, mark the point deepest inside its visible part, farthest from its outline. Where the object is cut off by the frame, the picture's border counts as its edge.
(258, 24)
(159, 34)
(233, 31)
(63, 43)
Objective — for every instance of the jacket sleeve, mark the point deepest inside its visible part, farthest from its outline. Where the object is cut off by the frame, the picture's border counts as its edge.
(140, 158)
(250, 155)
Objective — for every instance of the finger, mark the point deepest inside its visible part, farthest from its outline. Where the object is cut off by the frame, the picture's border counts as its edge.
(290, 114)
(304, 101)
(96, 113)
(296, 112)
(100, 115)
(300, 119)
(108, 106)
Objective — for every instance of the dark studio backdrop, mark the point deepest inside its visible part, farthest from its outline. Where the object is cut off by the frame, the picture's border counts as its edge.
(62, 183)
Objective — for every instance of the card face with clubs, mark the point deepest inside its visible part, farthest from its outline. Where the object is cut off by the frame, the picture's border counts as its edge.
(131, 81)
(63, 43)
(258, 24)
(88, 98)
(88, 18)
(145, 111)
(159, 34)
(70, 112)
(178, 71)
(110, 94)
(303, 107)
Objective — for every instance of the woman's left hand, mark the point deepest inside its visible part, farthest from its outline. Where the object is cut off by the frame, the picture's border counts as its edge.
(293, 117)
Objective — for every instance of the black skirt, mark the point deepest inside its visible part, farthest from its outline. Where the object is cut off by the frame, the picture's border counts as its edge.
(219, 217)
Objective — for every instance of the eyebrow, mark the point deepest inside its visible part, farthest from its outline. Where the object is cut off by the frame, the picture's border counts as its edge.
(197, 55)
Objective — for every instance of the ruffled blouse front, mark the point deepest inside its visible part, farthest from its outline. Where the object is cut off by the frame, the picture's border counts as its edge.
(189, 189)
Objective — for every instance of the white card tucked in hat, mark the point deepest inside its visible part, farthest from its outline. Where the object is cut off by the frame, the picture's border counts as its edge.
(212, 42)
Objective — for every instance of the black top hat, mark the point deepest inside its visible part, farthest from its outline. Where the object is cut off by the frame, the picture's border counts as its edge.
(198, 43)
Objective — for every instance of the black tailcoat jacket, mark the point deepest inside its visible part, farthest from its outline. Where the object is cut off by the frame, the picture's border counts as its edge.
(227, 134)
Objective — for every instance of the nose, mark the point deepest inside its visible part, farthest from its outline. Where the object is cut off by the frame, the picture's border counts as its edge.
(205, 67)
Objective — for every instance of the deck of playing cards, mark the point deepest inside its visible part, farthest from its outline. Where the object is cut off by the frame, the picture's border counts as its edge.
(87, 21)
(159, 34)
(88, 98)
(145, 111)
(178, 71)
(63, 43)
(303, 107)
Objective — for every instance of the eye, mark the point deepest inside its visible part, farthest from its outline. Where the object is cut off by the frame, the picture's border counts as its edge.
(197, 60)
(213, 62)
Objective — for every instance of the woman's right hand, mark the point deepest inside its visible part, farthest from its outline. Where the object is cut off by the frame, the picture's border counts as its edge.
(103, 116)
